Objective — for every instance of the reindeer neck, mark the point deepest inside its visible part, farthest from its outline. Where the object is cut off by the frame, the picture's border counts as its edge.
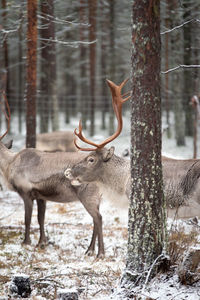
(117, 173)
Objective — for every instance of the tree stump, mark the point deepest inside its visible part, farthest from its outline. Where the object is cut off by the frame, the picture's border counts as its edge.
(189, 270)
(20, 285)
(67, 295)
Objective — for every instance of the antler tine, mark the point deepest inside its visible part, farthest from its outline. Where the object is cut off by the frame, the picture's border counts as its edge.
(117, 101)
(82, 138)
(123, 83)
(121, 87)
(7, 115)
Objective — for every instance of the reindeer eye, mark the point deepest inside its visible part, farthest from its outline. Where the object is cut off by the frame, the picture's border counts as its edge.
(91, 159)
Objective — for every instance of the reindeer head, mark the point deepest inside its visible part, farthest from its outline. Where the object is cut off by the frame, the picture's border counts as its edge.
(92, 167)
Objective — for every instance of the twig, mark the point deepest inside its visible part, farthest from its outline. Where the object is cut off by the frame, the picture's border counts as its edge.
(150, 270)
(179, 67)
(179, 26)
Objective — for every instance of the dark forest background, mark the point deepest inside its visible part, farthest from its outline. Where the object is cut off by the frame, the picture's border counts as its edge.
(80, 44)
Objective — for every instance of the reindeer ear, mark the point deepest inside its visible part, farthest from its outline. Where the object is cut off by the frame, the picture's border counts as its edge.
(108, 154)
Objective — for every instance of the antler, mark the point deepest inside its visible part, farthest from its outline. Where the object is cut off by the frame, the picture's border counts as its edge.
(6, 112)
(117, 101)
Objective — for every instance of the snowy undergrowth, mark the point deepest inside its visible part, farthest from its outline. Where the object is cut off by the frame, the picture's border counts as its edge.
(62, 264)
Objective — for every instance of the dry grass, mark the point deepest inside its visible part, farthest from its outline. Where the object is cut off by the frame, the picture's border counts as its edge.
(179, 243)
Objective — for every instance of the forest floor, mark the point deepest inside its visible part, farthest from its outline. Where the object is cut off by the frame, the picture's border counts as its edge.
(63, 265)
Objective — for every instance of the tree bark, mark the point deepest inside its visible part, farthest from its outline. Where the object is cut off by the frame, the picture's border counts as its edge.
(146, 226)
(92, 55)
(52, 68)
(20, 72)
(112, 61)
(188, 86)
(6, 50)
(83, 70)
(31, 73)
(104, 60)
(177, 76)
(166, 79)
(44, 77)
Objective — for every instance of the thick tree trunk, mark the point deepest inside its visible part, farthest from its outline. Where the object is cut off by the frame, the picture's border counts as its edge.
(31, 74)
(146, 226)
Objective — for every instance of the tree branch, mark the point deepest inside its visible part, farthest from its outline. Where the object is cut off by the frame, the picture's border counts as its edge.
(180, 67)
(179, 26)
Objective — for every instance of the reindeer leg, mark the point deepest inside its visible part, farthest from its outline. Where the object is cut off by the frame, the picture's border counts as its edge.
(97, 232)
(41, 204)
(91, 248)
(28, 205)
(89, 196)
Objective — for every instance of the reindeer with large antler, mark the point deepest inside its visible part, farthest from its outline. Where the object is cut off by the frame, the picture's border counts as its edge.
(110, 172)
(112, 175)
(37, 175)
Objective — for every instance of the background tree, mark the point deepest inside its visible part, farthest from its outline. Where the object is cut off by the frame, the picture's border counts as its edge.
(146, 226)
(83, 62)
(5, 47)
(92, 56)
(31, 74)
(71, 44)
(48, 89)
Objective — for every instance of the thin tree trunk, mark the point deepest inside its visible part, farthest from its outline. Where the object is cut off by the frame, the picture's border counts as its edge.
(188, 86)
(6, 50)
(177, 77)
(112, 61)
(52, 68)
(146, 226)
(167, 68)
(44, 79)
(31, 73)
(83, 71)
(92, 56)
(20, 72)
(104, 61)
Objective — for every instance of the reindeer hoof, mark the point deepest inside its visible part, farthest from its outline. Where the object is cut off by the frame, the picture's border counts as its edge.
(89, 253)
(41, 245)
(26, 242)
(100, 256)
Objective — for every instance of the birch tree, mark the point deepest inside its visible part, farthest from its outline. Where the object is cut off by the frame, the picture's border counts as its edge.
(146, 226)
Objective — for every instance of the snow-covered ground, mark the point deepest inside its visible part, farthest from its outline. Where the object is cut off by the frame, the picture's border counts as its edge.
(62, 264)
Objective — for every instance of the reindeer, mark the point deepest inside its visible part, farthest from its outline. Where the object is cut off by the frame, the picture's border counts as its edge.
(37, 175)
(56, 141)
(111, 173)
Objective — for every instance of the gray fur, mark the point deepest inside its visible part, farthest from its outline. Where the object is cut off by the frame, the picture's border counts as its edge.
(37, 175)
(180, 180)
